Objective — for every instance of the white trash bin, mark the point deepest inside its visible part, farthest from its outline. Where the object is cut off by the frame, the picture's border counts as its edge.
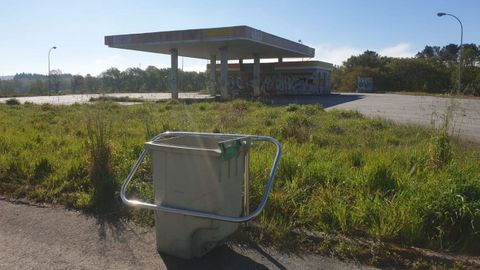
(199, 181)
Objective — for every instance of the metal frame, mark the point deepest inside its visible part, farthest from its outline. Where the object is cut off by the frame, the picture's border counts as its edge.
(200, 214)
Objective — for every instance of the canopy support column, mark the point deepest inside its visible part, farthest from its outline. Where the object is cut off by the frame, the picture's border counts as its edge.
(256, 75)
(213, 77)
(224, 73)
(174, 73)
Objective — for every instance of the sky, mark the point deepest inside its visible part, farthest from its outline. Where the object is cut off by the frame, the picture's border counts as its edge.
(336, 29)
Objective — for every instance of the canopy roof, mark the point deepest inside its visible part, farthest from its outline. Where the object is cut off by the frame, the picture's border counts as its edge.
(242, 42)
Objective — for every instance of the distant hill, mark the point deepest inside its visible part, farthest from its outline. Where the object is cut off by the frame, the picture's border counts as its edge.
(5, 78)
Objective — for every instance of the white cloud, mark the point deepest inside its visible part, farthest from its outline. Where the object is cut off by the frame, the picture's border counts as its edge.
(337, 55)
(399, 50)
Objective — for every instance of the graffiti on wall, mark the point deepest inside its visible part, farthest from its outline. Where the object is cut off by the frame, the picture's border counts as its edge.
(293, 78)
(283, 84)
(364, 84)
(288, 84)
(235, 83)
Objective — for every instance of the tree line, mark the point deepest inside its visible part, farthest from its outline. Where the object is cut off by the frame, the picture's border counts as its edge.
(434, 70)
(151, 79)
(112, 80)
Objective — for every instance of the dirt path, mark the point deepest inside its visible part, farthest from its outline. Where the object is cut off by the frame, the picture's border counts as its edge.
(54, 238)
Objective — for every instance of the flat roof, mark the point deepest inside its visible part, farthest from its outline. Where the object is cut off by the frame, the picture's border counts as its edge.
(242, 42)
(303, 65)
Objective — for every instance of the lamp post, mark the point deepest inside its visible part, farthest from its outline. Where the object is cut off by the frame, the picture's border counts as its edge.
(440, 14)
(49, 82)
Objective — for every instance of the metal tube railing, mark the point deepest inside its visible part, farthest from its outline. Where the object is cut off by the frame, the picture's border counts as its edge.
(200, 214)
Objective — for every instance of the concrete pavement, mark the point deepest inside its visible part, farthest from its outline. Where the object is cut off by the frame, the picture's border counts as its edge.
(72, 99)
(424, 110)
(34, 237)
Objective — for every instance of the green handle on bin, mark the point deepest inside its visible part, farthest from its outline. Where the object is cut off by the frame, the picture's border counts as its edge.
(230, 148)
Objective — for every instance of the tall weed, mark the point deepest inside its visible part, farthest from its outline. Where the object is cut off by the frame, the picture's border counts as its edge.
(100, 171)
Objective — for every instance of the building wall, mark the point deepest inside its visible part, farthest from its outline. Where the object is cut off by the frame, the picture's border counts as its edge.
(283, 78)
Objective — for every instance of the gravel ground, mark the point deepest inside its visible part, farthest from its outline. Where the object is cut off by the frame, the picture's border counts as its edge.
(35, 237)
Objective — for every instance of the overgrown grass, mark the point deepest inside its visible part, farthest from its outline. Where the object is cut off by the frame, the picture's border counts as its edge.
(340, 172)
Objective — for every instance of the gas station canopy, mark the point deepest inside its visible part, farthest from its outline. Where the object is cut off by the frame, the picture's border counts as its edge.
(242, 42)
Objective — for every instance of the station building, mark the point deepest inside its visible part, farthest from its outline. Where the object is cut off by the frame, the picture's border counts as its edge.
(228, 49)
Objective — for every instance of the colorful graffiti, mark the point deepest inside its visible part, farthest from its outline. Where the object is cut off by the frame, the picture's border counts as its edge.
(289, 84)
(281, 81)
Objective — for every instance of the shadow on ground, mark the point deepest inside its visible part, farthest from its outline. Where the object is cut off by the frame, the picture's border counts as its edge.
(112, 224)
(326, 101)
(223, 257)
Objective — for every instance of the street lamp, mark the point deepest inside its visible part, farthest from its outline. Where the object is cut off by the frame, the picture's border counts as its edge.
(49, 82)
(440, 14)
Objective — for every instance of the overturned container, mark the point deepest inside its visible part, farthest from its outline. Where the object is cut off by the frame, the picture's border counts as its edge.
(200, 188)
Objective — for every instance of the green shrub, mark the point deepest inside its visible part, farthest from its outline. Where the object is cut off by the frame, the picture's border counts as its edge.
(42, 170)
(171, 103)
(292, 108)
(453, 219)
(379, 178)
(439, 150)
(356, 158)
(12, 101)
(298, 127)
(335, 129)
(312, 109)
(240, 106)
(348, 114)
(17, 171)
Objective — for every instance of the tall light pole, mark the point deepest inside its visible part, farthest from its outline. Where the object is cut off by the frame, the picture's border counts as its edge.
(49, 82)
(440, 14)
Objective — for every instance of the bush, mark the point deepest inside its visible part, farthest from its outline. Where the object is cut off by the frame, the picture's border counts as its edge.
(12, 101)
(379, 178)
(292, 107)
(439, 149)
(298, 127)
(42, 170)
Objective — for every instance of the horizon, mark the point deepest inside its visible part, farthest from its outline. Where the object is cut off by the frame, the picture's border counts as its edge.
(346, 28)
